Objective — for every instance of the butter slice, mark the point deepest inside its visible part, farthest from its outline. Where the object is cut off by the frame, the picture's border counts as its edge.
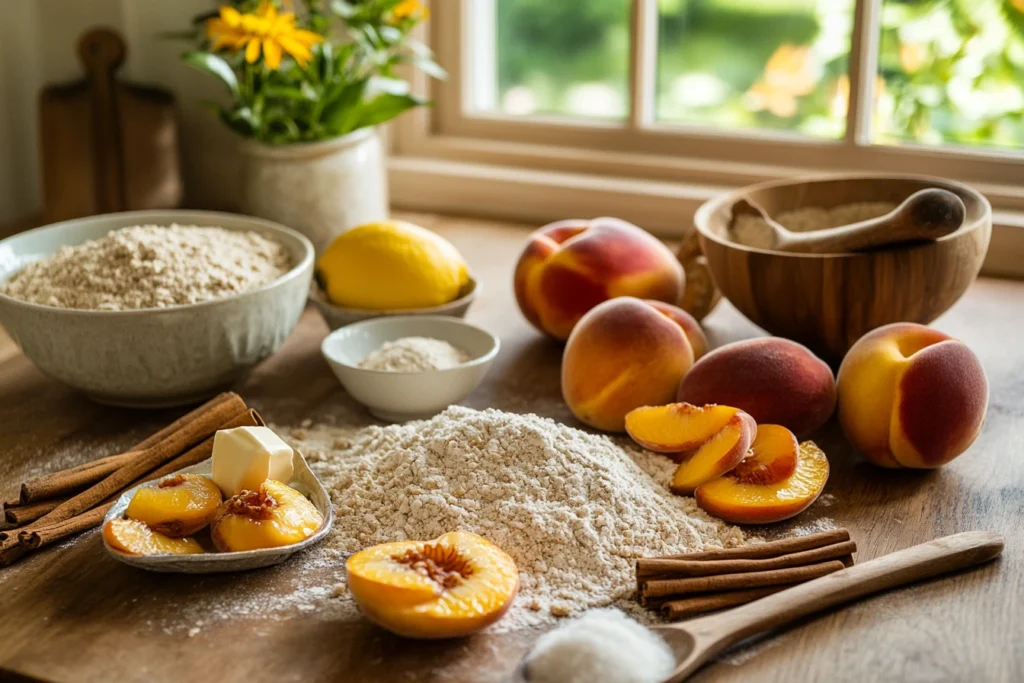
(245, 457)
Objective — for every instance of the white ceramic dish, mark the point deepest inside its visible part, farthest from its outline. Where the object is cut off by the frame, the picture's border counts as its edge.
(159, 356)
(339, 316)
(215, 562)
(403, 396)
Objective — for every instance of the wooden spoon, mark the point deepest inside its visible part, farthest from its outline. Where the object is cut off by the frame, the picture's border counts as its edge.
(925, 215)
(696, 641)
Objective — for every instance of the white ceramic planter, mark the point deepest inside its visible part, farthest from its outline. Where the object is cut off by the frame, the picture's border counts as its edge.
(320, 189)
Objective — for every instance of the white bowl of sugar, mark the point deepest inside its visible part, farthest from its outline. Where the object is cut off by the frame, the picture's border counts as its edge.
(409, 368)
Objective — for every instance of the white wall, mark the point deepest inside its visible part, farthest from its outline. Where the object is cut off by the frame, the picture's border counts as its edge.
(38, 43)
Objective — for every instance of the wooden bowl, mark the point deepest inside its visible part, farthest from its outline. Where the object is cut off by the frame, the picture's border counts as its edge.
(828, 301)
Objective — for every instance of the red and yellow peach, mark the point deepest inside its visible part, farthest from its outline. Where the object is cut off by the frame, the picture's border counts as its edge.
(911, 396)
(569, 267)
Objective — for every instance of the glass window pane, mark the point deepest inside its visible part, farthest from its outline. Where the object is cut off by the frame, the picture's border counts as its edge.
(771, 64)
(952, 71)
(552, 57)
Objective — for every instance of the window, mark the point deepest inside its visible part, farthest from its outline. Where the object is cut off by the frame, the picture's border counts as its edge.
(668, 101)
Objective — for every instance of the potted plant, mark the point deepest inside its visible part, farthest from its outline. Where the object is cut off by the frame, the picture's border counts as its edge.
(308, 84)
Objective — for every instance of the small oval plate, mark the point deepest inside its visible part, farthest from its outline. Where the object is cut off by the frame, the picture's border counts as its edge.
(216, 562)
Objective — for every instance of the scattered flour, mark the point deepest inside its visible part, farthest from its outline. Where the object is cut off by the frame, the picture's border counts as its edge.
(574, 510)
(414, 354)
(602, 645)
(151, 266)
(753, 231)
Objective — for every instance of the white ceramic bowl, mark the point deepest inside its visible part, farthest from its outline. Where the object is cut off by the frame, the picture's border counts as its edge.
(159, 356)
(339, 316)
(402, 396)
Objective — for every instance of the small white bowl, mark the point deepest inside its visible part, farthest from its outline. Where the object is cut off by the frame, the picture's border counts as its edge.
(403, 396)
(339, 316)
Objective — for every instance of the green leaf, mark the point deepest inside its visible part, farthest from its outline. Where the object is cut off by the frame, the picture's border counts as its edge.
(342, 111)
(384, 108)
(381, 84)
(287, 93)
(212, 64)
(343, 9)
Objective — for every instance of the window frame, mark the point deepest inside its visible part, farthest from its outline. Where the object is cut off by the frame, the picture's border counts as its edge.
(452, 158)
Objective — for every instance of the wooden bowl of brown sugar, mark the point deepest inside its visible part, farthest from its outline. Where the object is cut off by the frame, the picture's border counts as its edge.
(828, 301)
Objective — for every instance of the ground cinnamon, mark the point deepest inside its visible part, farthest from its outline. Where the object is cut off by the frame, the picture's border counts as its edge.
(665, 567)
(45, 535)
(660, 588)
(688, 607)
(201, 424)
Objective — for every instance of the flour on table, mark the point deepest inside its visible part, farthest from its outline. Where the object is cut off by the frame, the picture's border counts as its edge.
(414, 354)
(574, 510)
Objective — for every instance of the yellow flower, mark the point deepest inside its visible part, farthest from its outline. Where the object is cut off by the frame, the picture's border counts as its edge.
(413, 9)
(1018, 5)
(265, 30)
(913, 56)
(791, 72)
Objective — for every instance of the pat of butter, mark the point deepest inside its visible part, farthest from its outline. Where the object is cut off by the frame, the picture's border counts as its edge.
(245, 457)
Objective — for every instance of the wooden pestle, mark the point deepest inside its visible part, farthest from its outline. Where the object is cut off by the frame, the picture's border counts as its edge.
(925, 215)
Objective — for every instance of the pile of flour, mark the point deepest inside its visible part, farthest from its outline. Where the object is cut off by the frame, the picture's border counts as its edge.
(414, 354)
(574, 510)
(151, 266)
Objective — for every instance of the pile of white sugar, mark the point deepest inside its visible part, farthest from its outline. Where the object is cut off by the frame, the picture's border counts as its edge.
(414, 354)
(753, 231)
(151, 266)
(574, 510)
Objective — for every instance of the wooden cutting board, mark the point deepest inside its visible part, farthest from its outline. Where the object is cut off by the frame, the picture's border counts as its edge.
(107, 145)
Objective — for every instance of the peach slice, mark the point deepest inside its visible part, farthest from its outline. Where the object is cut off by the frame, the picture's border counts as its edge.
(749, 503)
(276, 515)
(772, 457)
(178, 506)
(135, 538)
(452, 586)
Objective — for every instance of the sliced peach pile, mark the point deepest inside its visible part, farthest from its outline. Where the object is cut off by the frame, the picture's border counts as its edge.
(452, 586)
(178, 506)
(717, 436)
(742, 497)
(135, 538)
(276, 515)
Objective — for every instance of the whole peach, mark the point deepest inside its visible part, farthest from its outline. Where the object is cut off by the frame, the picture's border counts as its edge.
(911, 396)
(623, 354)
(571, 266)
(775, 380)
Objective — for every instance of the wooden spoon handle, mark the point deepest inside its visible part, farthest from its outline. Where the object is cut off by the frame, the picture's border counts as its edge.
(926, 215)
(889, 571)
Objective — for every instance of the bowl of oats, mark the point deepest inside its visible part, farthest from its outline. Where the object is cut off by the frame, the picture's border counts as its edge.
(153, 308)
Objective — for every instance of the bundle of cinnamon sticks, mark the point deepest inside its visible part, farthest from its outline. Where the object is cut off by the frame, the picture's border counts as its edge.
(684, 585)
(53, 507)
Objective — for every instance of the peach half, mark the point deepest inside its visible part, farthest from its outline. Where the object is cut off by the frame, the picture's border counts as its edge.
(627, 353)
(717, 436)
(276, 515)
(452, 586)
(911, 396)
(571, 266)
(775, 380)
(736, 501)
(133, 537)
(178, 506)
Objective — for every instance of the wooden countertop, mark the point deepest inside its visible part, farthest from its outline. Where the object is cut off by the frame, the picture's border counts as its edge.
(71, 613)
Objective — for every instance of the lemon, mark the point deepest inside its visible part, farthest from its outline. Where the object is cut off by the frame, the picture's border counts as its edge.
(389, 265)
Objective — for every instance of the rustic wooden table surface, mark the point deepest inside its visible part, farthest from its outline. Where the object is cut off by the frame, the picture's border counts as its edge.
(71, 613)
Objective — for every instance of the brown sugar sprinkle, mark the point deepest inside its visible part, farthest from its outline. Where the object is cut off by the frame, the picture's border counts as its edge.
(170, 482)
(252, 504)
(444, 566)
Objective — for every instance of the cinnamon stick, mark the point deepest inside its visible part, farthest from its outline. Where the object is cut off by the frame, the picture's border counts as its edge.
(758, 551)
(75, 478)
(23, 514)
(66, 481)
(43, 536)
(708, 584)
(687, 607)
(664, 568)
(202, 423)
